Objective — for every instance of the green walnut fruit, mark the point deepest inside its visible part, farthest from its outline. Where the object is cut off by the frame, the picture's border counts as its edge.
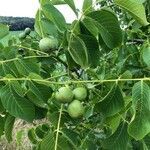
(146, 55)
(27, 31)
(22, 35)
(47, 44)
(75, 109)
(80, 93)
(64, 95)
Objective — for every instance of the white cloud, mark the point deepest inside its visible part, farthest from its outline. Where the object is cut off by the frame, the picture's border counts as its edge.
(28, 8)
(24, 8)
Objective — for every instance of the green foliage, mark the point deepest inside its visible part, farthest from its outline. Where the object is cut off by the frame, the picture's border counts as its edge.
(55, 16)
(92, 89)
(2, 125)
(8, 127)
(146, 55)
(14, 102)
(135, 8)
(87, 6)
(48, 142)
(32, 136)
(39, 94)
(119, 140)
(105, 21)
(4, 30)
(77, 50)
(17, 23)
(113, 101)
(141, 104)
(44, 26)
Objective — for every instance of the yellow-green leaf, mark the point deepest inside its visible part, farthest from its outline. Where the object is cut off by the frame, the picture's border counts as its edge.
(135, 8)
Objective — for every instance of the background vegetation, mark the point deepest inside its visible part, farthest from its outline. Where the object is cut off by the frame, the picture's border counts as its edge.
(17, 23)
(106, 52)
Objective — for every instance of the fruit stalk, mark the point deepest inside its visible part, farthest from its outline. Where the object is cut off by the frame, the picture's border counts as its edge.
(58, 126)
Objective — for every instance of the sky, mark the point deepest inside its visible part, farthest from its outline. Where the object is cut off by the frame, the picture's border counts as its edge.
(28, 8)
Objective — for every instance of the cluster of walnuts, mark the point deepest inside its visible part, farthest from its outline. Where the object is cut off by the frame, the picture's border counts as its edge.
(74, 98)
(64, 94)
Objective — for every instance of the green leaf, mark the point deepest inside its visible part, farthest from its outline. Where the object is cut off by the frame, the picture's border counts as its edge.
(48, 27)
(146, 55)
(141, 1)
(70, 62)
(38, 25)
(2, 122)
(78, 51)
(113, 122)
(9, 123)
(25, 67)
(19, 137)
(105, 23)
(92, 49)
(147, 142)
(45, 127)
(38, 79)
(53, 117)
(84, 49)
(87, 6)
(15, 104)
(1, 107)
(117, 141)
(16, 85)
(40, 113)
(135, 8)
(88, 23)
(32, 136)
(39, 132)
(44, 26)
(141, 94)
(48, 142)
(88, 112)
(103, 46)
(55, 16)
(8, 67)
(4, 30)
(126, 75)
(64, 144)
(112, 103)
(34, 97)
(71, 137)
(139, 126)
(83, 30)
(57, 2)
(39, 93)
